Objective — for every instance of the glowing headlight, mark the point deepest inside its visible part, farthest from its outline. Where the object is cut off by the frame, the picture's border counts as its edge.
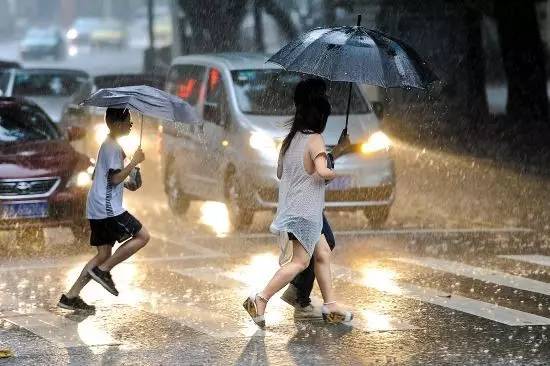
(81, 179)
(129, 143)
(101, 132)
(378, 141)
(72, 34)
(260, 141)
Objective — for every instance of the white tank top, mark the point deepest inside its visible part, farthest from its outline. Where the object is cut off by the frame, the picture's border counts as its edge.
(301, 197)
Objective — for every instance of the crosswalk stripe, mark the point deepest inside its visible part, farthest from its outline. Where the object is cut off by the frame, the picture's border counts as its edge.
(478, 273)
(388, 232)
(482, 309)
(52, 327)
(542, 260)
(187, 244)
(366, 320)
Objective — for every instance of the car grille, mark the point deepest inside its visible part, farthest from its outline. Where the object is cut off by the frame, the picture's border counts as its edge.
(382, 193)
(30, 187)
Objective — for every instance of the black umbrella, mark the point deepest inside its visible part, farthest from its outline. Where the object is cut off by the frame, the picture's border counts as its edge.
(355, 54)
(146, 100)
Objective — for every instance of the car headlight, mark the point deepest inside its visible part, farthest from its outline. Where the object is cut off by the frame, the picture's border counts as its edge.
(265, 144)
(260, 141)
(101, 132)
(129, 143)
(81, 179)
(378, 141)
(72, 34)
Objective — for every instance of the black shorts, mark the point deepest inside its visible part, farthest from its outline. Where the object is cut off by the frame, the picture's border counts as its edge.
(114, 229)
(326, 231)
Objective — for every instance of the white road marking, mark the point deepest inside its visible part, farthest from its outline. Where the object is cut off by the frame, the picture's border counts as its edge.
(365, 319)
(478, 273)
(542, 260)
(55, 264)
(58, 329)
(187, 244)
(482, 309)
(404, 231)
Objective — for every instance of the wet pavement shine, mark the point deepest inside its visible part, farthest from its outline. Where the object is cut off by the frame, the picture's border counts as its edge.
(470, 295)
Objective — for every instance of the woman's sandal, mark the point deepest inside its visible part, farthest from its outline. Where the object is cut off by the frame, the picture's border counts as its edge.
(250, 307)
(335, 317)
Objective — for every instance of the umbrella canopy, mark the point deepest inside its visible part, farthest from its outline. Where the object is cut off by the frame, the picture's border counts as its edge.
(355, 54)
(146, 100)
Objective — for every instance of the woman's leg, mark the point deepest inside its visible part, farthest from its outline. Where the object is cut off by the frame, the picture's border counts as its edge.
(321, 256)
(285, 274)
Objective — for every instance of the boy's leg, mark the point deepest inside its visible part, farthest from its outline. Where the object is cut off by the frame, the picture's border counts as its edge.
(126, 250)
(304, 281)
(103, 253)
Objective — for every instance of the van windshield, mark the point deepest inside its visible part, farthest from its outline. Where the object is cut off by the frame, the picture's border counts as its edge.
(271, 92)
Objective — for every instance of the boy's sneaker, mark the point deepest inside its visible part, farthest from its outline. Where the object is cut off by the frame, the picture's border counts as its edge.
(290, 296)
(75, 303)
(308, 312)
(104, 279)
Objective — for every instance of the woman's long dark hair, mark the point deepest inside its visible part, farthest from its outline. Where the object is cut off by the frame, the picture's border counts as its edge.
(309, 118)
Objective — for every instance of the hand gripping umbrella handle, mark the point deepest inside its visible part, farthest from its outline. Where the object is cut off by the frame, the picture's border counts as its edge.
(141, 131)
(347, 110)
(345, 131)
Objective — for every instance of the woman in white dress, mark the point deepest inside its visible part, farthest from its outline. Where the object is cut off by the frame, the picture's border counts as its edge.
(302, 169)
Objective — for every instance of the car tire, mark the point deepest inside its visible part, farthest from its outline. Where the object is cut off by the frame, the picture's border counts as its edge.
(178, 201)
(377, 216)
(240, 214)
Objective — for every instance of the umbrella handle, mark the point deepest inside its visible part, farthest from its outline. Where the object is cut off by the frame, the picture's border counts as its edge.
(347, 110)
(141, 131)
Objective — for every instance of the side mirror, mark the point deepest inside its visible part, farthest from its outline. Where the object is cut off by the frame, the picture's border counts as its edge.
(212, 113)
(75, 133)
(378, 109)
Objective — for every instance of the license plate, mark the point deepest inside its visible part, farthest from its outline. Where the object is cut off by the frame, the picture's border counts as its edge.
(339, 184)
(32, 210)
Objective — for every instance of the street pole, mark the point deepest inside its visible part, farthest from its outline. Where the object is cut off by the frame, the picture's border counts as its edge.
(150, 59)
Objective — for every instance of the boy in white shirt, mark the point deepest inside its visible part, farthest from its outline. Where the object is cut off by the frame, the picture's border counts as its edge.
(109, 221)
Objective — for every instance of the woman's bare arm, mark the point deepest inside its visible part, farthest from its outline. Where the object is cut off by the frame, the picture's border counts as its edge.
(318, 154)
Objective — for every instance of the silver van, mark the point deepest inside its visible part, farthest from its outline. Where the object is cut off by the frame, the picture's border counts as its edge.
(232, 156)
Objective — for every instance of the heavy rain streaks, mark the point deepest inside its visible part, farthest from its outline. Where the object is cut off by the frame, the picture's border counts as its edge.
(440, 213)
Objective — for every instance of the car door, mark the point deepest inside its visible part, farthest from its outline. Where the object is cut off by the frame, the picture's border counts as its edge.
(183, 143)
(216, 125)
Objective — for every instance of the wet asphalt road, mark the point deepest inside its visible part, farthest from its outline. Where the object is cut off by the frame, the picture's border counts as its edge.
(459, 275)
(463, 291)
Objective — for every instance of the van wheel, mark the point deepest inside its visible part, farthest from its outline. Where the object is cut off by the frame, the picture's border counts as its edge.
(377, 216)
(177, 200)
(240, 215)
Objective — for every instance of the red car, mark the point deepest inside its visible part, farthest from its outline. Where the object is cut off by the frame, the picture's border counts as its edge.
(43, 180)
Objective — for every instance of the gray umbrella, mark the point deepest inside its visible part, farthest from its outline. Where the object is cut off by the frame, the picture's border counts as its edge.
(146, 100)
(355, 54)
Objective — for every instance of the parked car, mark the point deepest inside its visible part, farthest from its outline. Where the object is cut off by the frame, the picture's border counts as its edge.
(109, 33)
(80, 32)
(9, 65)
(52, 89)
(244, 104)
(43, 42)
(43, 180)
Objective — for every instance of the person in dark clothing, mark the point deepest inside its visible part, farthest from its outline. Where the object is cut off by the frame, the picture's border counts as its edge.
(299, 290)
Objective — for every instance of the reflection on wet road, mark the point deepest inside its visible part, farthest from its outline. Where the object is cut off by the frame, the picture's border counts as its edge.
(465, 295)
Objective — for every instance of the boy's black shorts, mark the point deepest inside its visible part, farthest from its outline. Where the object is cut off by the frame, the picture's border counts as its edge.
(114, 229)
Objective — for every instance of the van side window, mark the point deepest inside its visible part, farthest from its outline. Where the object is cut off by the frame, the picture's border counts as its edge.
(185, 81)
(215, 104)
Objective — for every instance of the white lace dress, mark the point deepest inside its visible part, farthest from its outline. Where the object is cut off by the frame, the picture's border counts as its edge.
(301, 200)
